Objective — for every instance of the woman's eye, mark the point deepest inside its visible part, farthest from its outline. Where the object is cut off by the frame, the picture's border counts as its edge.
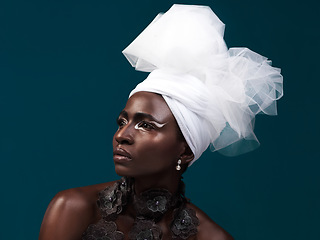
(121, 122)
(144, 125)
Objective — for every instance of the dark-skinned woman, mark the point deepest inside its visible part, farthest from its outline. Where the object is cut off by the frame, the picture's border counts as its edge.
(198, 94)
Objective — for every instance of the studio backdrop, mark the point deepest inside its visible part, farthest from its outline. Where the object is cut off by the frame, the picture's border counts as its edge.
(64, 80)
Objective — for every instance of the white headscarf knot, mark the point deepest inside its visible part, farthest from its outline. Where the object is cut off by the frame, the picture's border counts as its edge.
(213, 92)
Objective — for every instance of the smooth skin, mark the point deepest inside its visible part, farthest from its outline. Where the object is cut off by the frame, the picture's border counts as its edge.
(146, 146)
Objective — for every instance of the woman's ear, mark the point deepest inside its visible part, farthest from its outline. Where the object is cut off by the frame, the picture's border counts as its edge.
(187, 155)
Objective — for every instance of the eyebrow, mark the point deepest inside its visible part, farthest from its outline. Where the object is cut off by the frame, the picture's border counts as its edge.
(139, 115)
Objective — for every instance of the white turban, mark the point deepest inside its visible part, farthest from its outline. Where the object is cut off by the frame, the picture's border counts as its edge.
(213, 93)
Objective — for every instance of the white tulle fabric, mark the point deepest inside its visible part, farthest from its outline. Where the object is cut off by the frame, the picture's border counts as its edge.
(213, 92)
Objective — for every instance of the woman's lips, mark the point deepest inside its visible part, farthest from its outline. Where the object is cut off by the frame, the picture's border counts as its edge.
(120, 155)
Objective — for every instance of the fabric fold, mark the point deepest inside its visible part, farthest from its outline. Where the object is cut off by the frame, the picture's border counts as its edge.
(213, 92)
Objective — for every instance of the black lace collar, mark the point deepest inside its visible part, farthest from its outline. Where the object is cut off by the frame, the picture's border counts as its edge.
(150, 206)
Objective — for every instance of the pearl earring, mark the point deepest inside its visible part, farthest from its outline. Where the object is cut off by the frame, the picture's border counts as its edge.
(178, 167)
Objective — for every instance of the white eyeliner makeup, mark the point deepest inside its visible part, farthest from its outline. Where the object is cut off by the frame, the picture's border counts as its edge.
(158, 125)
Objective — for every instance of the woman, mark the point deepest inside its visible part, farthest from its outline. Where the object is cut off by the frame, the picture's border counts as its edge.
(198, 93)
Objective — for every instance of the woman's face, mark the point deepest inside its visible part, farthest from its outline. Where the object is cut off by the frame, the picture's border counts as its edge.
(147, 140)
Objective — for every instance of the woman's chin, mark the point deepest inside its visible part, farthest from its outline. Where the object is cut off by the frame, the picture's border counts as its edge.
(122, 170)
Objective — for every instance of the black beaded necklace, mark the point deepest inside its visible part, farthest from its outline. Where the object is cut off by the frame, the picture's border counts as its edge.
(150, 206)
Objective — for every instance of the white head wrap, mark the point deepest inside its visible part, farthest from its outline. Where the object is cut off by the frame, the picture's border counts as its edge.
(213, 93)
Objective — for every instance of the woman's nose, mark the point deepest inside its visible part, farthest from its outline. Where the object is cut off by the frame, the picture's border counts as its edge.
(124, 135)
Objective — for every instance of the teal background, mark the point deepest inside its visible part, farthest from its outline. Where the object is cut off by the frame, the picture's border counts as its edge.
(63, 80)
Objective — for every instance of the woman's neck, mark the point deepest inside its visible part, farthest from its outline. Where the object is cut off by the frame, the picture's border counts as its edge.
(169, 182)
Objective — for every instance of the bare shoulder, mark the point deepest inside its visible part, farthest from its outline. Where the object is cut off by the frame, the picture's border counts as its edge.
(208, 229)
(70, 212)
